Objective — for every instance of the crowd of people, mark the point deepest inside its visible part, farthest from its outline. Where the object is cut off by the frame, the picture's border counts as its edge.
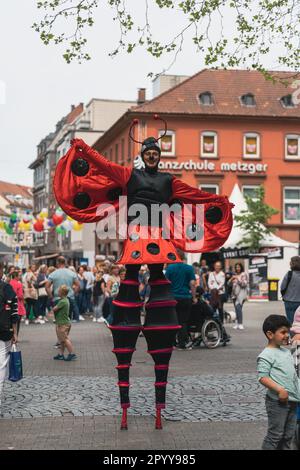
(91, 291)
(67, 295)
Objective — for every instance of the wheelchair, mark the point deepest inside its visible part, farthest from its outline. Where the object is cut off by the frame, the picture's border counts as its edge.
(205, 327)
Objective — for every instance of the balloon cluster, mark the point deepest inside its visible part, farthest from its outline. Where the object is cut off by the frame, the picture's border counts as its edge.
(58, 222)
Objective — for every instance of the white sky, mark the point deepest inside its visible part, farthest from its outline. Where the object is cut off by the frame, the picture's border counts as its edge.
(40, 86)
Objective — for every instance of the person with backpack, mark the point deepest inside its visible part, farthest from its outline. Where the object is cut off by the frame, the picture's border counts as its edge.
(290, 289)
(8, 325)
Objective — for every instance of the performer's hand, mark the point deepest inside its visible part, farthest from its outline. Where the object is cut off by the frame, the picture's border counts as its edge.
(78, 143)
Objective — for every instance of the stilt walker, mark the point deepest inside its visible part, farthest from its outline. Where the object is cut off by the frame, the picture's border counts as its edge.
(84, 179)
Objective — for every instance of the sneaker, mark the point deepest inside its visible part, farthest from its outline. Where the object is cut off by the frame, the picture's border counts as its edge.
(59, 357)
(236, 326)
(105, 322)
(196, 343)
(241, 327)
(81, 318)
(26, 322)
(37, 321)
(42, 322)
(94, 319)
(71, 357)
(100, 320)
(184, 348)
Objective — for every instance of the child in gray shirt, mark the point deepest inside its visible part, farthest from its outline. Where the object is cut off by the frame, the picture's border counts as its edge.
(276, 371)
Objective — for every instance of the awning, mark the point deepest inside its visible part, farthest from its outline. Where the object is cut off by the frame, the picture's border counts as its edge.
(38, 258)
(5, 250)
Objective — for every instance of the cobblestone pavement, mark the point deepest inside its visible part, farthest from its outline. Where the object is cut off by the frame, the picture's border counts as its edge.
(213, 398)
(191, 398)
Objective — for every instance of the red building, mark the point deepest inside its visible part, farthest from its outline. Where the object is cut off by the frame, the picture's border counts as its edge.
(224, 126)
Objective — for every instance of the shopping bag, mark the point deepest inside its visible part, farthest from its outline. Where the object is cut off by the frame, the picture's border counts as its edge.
(15, 365)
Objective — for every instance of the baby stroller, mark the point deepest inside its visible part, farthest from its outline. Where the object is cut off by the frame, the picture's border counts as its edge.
(204, 327)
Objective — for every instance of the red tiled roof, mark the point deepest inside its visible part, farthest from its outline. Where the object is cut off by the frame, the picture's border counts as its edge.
(226, 86)
(74, 113)
(3, 213)
(11, 189)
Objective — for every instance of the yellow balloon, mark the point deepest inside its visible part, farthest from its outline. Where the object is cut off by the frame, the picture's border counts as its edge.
(77, 226)
(2, 224)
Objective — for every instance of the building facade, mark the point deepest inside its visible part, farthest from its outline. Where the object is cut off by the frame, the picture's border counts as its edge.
(15, 198)
(86, 122)
(224, 127)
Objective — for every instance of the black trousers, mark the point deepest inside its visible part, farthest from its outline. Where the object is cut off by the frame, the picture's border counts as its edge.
(183, 310)
(159, 329)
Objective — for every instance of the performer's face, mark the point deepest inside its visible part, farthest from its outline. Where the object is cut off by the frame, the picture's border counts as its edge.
(151, 158)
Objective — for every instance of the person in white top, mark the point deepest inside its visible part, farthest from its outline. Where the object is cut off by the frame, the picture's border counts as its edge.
(90, 279)
(216, 286)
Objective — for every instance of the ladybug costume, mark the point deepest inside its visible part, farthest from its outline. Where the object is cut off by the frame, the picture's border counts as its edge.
(83, 181)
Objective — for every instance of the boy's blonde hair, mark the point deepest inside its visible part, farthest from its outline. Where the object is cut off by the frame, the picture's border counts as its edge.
(64, 290)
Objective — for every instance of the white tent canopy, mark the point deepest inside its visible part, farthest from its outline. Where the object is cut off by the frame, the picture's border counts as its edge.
(237, 233)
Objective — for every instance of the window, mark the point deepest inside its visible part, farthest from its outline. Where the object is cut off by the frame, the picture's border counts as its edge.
(167, 144)
(251, 146)
(250, 191)
(209, 144)
(210, 188)
(291, 202)
(122, 150)
(206, 99)
(117, 153)
(248, 100)
(292, 147)
(287, 101)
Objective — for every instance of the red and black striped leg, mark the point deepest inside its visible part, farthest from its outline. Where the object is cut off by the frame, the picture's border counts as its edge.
(160, 329)
(124, 419)
(125, 330)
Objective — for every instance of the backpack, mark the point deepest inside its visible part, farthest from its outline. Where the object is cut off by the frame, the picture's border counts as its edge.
(283, 291)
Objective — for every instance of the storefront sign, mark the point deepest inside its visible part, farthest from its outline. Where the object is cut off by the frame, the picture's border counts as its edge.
(274, 252)
(258, 277)
(236, 253)
(206, 165)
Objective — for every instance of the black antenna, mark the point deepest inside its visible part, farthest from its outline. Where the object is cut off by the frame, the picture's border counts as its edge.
(157, 117)
(134, 122)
